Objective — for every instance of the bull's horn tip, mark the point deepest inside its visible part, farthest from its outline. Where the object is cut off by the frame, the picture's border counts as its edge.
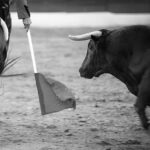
(70, 37)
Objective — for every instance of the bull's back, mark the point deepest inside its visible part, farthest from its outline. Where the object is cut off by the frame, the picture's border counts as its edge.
(131, 46)
(140, 58)
(129, 39)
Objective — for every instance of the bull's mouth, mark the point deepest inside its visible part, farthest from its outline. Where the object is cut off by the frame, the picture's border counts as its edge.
(87, 75)
(91, 74)
(98, 73)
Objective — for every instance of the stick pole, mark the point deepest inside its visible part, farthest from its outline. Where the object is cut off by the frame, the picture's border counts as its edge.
(31, 51)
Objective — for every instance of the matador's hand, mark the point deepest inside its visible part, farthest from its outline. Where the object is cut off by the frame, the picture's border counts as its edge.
(27, 22)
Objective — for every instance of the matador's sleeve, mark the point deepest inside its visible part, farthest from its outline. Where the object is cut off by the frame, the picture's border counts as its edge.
(22, 9)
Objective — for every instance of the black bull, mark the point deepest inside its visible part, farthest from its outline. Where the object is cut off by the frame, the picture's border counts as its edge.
(124, 53)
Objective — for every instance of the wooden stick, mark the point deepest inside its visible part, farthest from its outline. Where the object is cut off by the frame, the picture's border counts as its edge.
(31, 51)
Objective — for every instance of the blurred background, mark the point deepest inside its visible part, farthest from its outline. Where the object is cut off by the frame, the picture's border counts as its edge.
(77, 13)
(119, 6)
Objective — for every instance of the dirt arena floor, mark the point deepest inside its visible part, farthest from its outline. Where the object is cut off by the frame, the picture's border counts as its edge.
(104, 119)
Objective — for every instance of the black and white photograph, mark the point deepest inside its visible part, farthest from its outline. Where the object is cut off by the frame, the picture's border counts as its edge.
(74, 75)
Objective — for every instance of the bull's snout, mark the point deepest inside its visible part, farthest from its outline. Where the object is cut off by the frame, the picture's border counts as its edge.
(81, 72)
(85, 74)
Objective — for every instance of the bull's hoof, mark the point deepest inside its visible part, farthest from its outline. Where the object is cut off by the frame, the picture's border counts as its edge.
(143, 118)
(146, 126)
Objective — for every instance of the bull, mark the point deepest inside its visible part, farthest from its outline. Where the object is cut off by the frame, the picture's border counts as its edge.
(125, 53)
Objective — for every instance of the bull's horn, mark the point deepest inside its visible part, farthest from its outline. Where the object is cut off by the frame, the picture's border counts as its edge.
(85, 36)
(5, 29)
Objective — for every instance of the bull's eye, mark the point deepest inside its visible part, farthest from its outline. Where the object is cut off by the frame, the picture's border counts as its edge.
(91, 45)
(91, 48)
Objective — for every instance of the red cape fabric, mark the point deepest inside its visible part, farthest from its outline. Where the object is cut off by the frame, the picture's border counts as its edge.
(53, 95)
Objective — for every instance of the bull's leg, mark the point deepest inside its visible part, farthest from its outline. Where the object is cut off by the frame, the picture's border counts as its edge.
(140, 107)
(143, 99)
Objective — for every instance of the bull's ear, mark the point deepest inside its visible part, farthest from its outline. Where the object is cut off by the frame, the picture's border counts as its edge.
(94, 38)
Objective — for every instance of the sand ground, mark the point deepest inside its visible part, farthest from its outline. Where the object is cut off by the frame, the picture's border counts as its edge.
(104, 119)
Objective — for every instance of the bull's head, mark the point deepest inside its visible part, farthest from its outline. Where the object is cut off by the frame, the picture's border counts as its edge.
(95, 59)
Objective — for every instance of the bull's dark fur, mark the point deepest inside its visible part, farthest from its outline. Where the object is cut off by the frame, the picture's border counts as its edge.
(124, 53)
